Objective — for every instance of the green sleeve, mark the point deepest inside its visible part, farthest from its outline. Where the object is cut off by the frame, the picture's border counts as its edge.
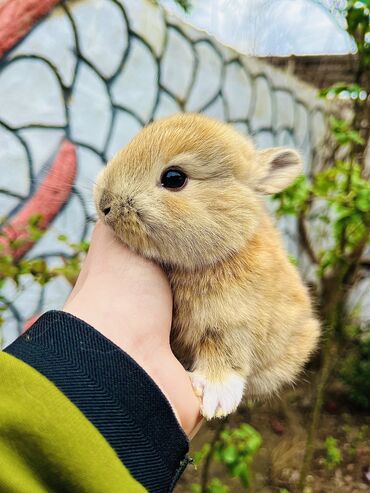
(47, 444)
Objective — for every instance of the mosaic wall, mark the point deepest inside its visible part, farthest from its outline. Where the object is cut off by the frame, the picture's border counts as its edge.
(79, 78)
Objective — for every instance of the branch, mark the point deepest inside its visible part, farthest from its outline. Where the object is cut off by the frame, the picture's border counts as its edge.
(365, 262)
(355, 260)
(207, 463)
(305, 240)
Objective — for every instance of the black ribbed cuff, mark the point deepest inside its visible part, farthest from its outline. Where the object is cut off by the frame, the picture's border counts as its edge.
(113, 392)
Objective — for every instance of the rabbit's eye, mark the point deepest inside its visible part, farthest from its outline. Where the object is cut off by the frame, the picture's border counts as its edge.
(174, 179)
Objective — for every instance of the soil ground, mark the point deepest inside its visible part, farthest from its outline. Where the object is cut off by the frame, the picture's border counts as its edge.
(282, 424)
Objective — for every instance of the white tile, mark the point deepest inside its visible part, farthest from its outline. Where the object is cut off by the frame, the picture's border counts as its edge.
(305, 150)
(52, 39)
(14, 168)
(216, 109)
(264, 140)
(125, 127)
(285, 139)
(301, 126)
(208, 77)
(136, 86)
(288, 228)
(319, 128)
(166, 106)
(9, 331)
(147, 20)
(9, 289)
(27, 299)
(359, 302)
(7, 204)
(90, 109)
(237, 91)
(89, 231)
(262, 114)
(102, 33)
(189, 31)
(284, 108)
(177, 65)
(89, 165)
(241, 127)
(56, 293)
(43, 144)
(30, 93)
(70, 222)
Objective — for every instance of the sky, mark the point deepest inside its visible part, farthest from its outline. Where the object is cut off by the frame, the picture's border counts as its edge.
(271, 27)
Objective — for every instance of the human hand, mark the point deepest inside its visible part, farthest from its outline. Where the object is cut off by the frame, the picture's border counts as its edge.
(128, 299)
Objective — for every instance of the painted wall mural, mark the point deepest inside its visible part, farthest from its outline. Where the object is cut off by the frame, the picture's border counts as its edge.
(79, 78)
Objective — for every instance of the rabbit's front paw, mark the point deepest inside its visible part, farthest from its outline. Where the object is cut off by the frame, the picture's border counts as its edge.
(219, 398)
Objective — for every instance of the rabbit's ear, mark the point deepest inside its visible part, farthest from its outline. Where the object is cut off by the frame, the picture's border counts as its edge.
(277, 169)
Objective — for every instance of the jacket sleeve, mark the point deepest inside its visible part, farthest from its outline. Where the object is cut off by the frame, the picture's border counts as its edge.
(77, 414)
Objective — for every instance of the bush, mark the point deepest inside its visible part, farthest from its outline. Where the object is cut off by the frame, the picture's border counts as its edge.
(355, 373)
(235, 448)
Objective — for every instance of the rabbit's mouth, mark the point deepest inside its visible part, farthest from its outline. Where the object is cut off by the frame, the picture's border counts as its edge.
(129, 226)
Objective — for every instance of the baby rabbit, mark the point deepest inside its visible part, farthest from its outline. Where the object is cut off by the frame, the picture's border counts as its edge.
(187, 192)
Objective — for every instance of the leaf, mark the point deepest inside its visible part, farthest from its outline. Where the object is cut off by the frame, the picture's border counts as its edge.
(254, 443)
(293, 260)
(216, 486)
(201, 454)
(229, 454)
(35, 220)
(333, 453)
(239, 469)
(362, 203)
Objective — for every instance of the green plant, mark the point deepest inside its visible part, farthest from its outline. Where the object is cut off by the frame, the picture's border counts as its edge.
(333, 455)
(215, 486)
(333, 211)
(356, 438)
(335, 203)
(355, 372)
(344, 197)
(15, 268)
(235, 448)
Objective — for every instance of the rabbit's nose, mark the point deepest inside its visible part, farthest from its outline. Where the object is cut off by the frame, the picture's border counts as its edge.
(105, 204)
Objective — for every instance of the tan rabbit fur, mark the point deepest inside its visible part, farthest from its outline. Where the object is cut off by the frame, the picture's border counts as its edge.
(242, 318)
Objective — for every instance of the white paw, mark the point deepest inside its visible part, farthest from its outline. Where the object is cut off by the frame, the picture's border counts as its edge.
(218, 398)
